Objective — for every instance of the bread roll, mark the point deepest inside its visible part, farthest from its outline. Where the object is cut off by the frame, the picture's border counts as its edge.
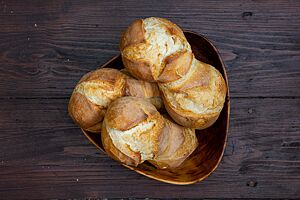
(195, 100)
(155, 49)
(133, 131)
(97, 89)
(92, 95)
(146, 45)
(176, 143)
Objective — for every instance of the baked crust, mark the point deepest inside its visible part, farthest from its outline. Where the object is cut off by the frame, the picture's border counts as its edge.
(176, 143)
(91, 96)
(144, 89)
(113, 152)
(196, 99)
(193, 92)
(97, 89)
(176, 66)
(85, 113)
(154, 40)
(134, 125)
(127, 136)
(134, 34)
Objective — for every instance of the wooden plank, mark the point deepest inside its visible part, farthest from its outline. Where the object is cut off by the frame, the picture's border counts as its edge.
(44, 155)
(45, 47)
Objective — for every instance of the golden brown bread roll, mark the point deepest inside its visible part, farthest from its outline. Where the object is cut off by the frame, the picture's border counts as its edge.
(134, 131)
(155, 49)
(146, 45)
(195, 100)
(133, 126)
(97, 89)
(91, 96)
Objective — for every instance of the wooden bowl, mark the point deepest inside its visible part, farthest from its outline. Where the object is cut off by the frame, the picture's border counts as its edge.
(212, 141)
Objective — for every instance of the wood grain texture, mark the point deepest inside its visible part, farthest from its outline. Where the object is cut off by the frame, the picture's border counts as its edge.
(46, 155)
(46, 46)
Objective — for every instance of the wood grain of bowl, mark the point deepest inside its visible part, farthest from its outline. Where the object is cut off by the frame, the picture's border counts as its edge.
(212, 141)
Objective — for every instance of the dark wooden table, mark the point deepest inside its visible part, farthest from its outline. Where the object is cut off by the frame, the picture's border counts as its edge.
(46, 46)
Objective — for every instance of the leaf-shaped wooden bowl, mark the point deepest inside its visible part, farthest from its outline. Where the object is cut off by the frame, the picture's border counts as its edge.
(212, 141)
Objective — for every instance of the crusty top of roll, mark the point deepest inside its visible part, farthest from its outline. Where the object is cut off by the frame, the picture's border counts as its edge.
(134, 125)
(201, 91)
(147, 44)
(93, 93)
(101, 86)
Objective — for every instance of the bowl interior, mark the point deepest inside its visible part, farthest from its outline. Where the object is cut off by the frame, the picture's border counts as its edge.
(212, 140)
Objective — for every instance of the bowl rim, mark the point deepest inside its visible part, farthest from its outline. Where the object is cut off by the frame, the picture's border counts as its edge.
(227, 124)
